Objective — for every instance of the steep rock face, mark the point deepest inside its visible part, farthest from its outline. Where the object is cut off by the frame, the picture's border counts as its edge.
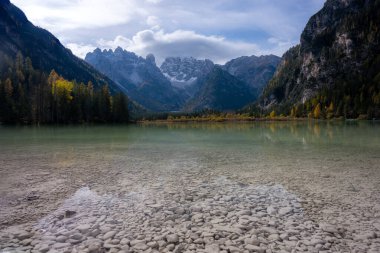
(141, 78)
(206, 85)
(186, 73)
(186, 70)
(338, 61)
(17, 34)
(220, 91)
(253, 70)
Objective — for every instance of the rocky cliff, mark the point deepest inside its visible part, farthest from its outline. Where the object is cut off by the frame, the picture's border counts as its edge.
(255, 71)
(220, 91)
(336, 67)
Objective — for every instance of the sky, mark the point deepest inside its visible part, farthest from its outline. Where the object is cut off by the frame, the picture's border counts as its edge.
(219, 30)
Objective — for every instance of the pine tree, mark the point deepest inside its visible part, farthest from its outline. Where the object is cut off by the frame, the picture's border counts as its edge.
(104, 105)
(30, 96)
(120, 108)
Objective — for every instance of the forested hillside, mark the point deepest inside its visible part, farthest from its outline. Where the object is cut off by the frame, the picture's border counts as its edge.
(28, 95)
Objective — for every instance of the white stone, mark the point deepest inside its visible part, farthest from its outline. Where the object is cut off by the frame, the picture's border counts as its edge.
(271, 210)
(109, 235)
(284, 210)
(173, 238)
(84, 228)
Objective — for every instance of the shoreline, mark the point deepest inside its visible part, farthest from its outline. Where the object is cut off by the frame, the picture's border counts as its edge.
(250, 120)
(200, 120)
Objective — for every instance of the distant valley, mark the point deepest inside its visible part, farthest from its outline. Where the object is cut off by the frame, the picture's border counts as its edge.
(186, 83)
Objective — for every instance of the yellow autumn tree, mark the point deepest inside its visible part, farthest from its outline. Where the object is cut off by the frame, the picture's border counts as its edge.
(293, 112)
(317, 111)
(272, 114)
(60, 87)
(331, 107)
(8, 87)
(330, 111)
(63, 89)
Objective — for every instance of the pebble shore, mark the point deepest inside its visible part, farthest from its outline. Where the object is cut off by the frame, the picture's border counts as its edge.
(199, 216)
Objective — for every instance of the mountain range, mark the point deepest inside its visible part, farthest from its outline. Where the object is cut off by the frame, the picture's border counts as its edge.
(333, 72)
(139, 77)
(186, 83)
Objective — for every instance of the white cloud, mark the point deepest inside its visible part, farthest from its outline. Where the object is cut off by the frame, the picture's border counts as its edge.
(218, 30)
(189, 43)
(154, 1)
(277, 18)
(80, 50)
(177, 43)
(65, 15)
(153, 21)
(118, 41)
(280, 46)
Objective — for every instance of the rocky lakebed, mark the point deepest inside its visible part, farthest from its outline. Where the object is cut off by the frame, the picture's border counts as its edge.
(117, 203)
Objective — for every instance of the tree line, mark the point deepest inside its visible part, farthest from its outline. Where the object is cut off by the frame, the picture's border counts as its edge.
(349, 100)
(30, 96)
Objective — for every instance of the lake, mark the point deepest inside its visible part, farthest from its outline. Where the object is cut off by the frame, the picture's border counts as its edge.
(225, 187)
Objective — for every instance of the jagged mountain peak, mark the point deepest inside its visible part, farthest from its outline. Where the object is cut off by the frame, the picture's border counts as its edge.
(121, 54)
(139, 76)
(185, 69)
(151, 59)
(119, 50)
(97, 51)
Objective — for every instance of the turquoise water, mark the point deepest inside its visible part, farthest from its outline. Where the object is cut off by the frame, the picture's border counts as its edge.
(294, 139)
(330, 171)
(241, 147)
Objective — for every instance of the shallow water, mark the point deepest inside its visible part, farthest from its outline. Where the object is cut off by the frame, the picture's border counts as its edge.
(209, 144)
(325, 172)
